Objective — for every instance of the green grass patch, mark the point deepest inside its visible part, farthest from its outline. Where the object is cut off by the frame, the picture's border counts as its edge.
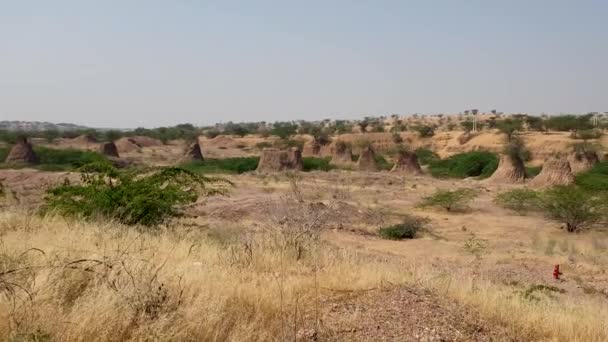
(533, 171)
(426, 156)
(471, 164)
(227, 165)
(52, 159)
(595, 179)
(382, 163)
(320, 164)
(246, 164)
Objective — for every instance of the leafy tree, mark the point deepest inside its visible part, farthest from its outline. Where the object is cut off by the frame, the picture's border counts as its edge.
(147, 198)
(467, 125)
(568, 123)
(536, 123)
(450, 200)
(509, 126)
(284, 130)
(343, 127)
(425, 131)
(363, 124)
(112, 135)
(573, 206)
(50, 135)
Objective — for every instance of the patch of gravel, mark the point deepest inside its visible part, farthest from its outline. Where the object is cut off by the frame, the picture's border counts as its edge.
(406, 314)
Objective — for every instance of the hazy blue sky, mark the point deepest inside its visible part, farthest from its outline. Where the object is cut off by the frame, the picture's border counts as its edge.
(150, 63)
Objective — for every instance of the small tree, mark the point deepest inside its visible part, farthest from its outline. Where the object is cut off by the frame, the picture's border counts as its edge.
(519, 200)
(147, 198)
(574, 207)
(450, 200)
(509, 127)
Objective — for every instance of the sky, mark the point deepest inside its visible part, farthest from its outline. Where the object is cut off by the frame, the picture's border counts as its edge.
(153, 63)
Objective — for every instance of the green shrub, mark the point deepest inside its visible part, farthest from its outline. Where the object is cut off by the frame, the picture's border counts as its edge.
(228, 165)
(595, 179)
(312, 163)
(519, 200)
(533, 171)
(426, 156)
(425, 131)
(573, 206)
(450, 200)
(408, 229)
(587, 134)
(287, 143)
(382, 163)
(52, 159)
(67, 158)
(463, 165)
(147, 198)
(3, 153)
(569, 123)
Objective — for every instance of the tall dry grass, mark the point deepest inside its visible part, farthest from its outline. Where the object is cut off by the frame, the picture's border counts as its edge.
(74, 281)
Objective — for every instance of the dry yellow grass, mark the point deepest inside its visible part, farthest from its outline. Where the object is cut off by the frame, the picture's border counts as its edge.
(241, 279)
(82, 282)
(79, 281)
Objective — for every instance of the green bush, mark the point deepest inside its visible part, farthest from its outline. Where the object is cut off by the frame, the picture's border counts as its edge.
(228, 165)
(595, 179)
(573, 206)
(3, 153)
(382, 163)
(312, 163)
(148, 198)
(288, 143)
(426, 156)
(587, 134)
(450, 200)
(533, 171)
(569, 123)
(463, 165)
(52, 159)
(67, 158)
(424, 130)
(408, 229)
(519, 200)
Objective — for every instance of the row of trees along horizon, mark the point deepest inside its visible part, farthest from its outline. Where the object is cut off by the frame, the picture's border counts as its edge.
(582, 126)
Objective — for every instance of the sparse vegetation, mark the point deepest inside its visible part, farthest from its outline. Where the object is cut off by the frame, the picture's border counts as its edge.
(450, 200)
